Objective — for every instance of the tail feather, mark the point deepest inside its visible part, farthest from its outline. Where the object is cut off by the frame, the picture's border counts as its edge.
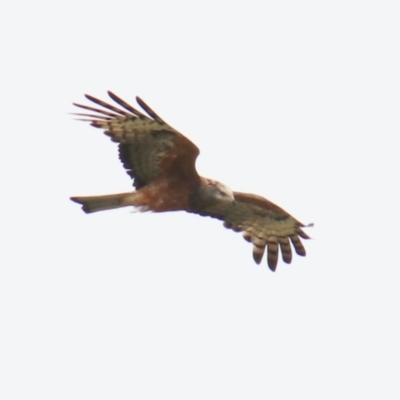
(92, 204)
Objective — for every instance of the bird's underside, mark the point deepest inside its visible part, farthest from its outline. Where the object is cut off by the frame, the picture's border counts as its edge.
(161, 163)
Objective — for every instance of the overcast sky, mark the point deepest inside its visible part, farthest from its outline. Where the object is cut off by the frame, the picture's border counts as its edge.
(295, 101)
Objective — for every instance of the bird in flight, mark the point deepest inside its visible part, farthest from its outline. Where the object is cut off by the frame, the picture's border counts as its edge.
(161, 162)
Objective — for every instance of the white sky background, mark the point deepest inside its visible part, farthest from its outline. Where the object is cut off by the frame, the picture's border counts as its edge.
(295, 101)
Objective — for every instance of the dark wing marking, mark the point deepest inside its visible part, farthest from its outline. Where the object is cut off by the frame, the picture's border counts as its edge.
(263, 224)
(149, 148)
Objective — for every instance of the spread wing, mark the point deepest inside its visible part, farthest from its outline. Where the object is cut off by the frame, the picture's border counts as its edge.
(264, 224)
(149, 148)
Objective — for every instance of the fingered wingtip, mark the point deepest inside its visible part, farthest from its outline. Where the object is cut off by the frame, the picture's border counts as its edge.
(88, 96)
(112, 95)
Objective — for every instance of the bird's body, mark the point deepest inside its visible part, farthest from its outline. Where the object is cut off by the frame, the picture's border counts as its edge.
(161, 162)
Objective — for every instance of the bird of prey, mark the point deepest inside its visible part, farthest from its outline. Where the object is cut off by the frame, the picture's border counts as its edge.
(161, 162)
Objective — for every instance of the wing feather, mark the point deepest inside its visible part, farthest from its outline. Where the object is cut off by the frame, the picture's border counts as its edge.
(127, 106)
(98, 110)
(272, 257)
(149, 148)
(264, 224)
(109, 106)
(286, 250)
(150, 111)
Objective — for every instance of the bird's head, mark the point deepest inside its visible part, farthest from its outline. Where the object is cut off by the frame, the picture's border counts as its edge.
(223, 192)
(212, 191)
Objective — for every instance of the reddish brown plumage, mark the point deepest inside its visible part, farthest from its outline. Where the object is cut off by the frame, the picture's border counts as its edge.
(161, 162)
